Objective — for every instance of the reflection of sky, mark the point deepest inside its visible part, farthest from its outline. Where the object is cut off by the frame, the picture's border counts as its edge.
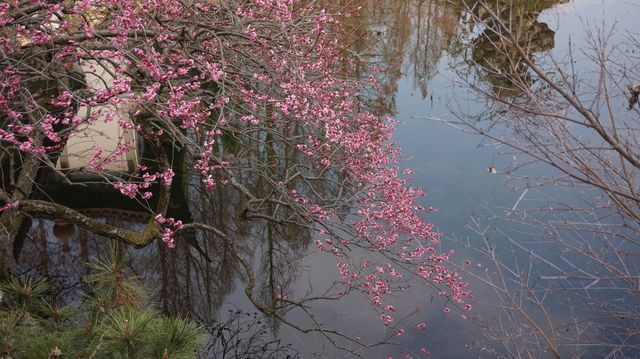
(449, 164)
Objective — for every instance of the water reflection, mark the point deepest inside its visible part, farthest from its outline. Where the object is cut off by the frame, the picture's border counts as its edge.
(501, 64)
(410, 32)
(412, 37)
(401, 37)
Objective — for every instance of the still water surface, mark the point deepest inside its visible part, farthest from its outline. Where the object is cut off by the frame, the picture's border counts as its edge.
(433, 42)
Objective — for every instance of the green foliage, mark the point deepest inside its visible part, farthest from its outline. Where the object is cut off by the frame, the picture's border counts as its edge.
(126, 333)
(115, 321)
(38, 342)
(175, 336)
(112, 287)
(24, 292)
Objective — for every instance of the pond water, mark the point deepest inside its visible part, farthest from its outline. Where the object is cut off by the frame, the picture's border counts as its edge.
(433, 42)
(436, 45)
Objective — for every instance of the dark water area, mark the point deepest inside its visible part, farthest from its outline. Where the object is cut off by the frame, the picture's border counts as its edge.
(438, 48)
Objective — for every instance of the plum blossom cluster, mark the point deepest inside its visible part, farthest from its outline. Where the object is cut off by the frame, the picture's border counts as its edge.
(132, 189)
(171, 227)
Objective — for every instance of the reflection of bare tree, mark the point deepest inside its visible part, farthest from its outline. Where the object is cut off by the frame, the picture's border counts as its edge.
(244, 336)
(435, 25)
(500, 62)
(391, 33)
(187, 282)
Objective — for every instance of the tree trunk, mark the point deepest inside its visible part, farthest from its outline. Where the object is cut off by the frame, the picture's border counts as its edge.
(7, 262)
(12, 221)
(10, 224)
